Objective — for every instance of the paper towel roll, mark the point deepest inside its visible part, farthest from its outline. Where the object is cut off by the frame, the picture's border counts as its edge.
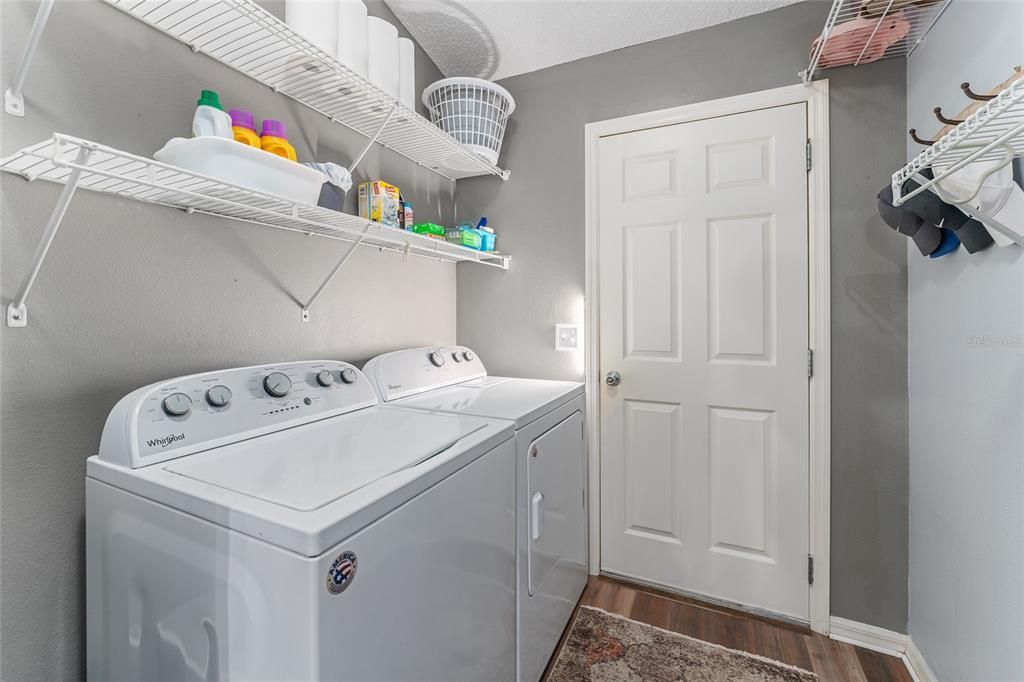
(315, 20)
(407, 73)
(382, 55)
(352, 35)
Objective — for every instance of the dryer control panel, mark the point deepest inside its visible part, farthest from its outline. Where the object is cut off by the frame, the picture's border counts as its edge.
(189, 414)
(409, 372)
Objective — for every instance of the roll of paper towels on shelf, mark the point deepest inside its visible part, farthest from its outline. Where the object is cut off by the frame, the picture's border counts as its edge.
(382, 63)
(316, 21)
(407, 73)
(352, 29)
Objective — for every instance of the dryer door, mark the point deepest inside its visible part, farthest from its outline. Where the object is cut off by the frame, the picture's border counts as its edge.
(554, 473)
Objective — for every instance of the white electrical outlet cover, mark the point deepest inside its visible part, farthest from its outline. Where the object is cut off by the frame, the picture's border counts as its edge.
(567, 337)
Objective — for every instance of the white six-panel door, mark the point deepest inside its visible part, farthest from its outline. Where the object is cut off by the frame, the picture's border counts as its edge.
(703, 278)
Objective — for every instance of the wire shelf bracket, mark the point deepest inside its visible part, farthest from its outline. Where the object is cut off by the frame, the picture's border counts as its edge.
(82, 164)
(251, 40)
(920, 15)
(14, 97)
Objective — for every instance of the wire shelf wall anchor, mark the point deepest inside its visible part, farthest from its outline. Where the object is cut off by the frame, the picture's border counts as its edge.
(17, 312)
(333, 273)
(14, 98)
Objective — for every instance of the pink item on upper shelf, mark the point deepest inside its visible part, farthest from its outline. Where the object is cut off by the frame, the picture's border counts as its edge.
(847, 40)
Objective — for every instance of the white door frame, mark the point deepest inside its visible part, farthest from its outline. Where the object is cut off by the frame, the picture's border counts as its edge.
(815, 95)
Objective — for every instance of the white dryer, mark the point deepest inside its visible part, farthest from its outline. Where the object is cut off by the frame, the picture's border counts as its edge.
(551, 516)
(277, 523)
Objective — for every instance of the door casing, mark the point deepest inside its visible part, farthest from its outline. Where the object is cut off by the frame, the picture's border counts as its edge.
(815, 95)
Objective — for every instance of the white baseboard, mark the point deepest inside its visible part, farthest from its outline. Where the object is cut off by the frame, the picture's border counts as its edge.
(884, 641)
(867, 636)
(918, 667)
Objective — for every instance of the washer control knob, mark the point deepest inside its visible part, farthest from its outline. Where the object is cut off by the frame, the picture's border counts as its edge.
(277, 384)
(468, 355)
(325, 378)
(348, 375)
(436, 359)
(177, 404)
(218, 396)
(456, 357)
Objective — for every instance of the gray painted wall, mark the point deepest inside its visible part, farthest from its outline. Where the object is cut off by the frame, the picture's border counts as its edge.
(132, 293)
(509, 317)
(966, 325)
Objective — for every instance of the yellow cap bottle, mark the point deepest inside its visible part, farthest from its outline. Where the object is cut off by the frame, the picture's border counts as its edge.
(243, 126)
(274, 139)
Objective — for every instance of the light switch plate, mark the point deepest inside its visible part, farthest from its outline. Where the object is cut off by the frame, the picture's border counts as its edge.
(567, 337)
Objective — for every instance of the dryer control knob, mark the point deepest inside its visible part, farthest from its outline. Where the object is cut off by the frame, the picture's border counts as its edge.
(325, 378)
(348, 375)
(277, 384)
(436, 359)
(456, 357)
(177, 404)
(468, 355)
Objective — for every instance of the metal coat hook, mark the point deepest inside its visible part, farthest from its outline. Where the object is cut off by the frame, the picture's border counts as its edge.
(966, 87)
(948, 121)
(915, 138)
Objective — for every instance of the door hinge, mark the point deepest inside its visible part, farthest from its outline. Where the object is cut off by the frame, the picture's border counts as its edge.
(809, 155)
(810, 569)
(810, 363)
(583, 494)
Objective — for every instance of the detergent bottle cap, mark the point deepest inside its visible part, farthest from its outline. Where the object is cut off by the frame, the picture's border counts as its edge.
(209, 98)
(243, 119)
(274, 129)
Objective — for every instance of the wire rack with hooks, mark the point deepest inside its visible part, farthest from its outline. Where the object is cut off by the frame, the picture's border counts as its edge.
(993, 134)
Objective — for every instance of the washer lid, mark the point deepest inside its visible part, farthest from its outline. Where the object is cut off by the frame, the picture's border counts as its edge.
(519, 400)
(307, 467)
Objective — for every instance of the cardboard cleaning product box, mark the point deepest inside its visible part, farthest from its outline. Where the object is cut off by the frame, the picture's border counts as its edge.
(379, 202)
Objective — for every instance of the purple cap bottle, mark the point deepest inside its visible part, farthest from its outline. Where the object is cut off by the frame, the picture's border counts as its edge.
(243, 119)
(274, 129)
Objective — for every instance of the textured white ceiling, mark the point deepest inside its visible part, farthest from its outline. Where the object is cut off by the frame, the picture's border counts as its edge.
(499, 38)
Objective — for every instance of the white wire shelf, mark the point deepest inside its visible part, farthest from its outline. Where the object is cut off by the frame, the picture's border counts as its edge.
(920, 14)
(246, 37)
(126, 175)
(995, 132)
(75, 163)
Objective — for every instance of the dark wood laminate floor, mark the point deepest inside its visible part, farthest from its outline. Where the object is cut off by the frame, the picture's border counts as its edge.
(832, 661)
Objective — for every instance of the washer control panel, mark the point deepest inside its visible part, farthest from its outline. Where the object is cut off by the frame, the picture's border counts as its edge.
(409, 372)
(173, 418)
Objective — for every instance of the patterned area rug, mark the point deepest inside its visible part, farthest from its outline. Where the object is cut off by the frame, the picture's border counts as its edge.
(604, 647)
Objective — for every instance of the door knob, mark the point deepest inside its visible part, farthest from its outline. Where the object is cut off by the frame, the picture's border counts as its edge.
(613, 378)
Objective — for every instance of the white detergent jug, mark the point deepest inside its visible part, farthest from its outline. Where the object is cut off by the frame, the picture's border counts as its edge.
(210, 119)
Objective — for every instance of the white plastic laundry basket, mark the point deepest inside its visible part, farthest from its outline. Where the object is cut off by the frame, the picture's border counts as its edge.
(472, 110)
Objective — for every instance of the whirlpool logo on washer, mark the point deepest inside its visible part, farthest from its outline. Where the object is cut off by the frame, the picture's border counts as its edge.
(342, 572)
(165, 440)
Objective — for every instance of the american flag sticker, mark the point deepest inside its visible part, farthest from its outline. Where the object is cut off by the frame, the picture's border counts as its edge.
(342, 572)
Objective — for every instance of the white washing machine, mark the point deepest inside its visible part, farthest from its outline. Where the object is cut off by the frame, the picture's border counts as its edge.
(277, 523)
(551, 516)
